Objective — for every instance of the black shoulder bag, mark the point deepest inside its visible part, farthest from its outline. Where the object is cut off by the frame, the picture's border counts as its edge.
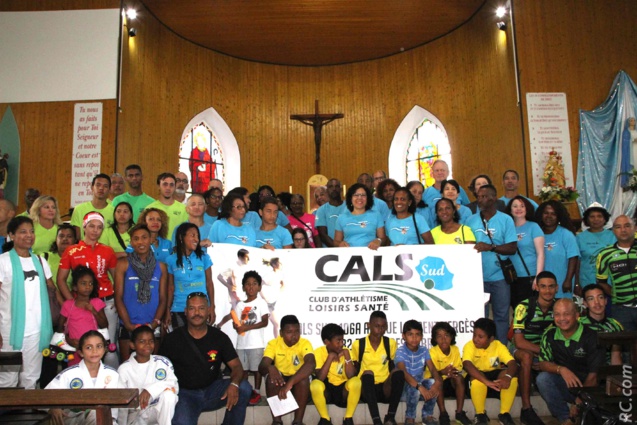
(506, 265)
(361, 350)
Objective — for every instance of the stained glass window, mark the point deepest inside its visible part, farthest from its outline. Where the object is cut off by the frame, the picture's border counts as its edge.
(428, 143)
(201, 157)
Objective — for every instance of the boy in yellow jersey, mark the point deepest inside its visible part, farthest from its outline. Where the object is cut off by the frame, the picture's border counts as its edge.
(446, 358)
(380, 382)
(334, 363)
(288, 361)
(481, 358)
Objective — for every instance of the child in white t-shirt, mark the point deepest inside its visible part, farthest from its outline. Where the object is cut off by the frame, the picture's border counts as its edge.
(250, 322)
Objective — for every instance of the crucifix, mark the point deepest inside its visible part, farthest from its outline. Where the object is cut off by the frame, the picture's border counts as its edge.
(317, 121)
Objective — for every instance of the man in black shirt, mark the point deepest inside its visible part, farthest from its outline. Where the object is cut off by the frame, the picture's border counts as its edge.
(197, 352)
(569, 357)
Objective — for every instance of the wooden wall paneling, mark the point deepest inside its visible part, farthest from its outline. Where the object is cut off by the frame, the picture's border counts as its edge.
(462, 78)
(46, 140)
(37, 5)
(575, 47)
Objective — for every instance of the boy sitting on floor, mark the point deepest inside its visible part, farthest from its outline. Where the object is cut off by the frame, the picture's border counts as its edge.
(482, 358)
(380, 382)
(288, 361)
(413, 359)
(155, 378)
(334, 363)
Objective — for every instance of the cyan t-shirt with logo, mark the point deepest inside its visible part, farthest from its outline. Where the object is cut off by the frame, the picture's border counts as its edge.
(527, 233)
(359, 230)
(224, 232)
(502, 231)
(277, 237)
(559, 246)
(402, 231)
(189, 278)
(327, 215)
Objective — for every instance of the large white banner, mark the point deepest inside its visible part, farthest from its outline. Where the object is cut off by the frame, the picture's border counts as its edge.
(344, 285)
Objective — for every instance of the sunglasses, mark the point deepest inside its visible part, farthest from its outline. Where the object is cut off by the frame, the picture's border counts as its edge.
(197, 294)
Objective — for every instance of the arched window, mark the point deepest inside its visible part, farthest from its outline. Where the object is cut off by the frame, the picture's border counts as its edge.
(419, 140)
(208, 150)
(202, 155)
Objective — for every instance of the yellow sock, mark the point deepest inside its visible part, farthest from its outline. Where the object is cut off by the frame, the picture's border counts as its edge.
(507, 397)
(479, 395)
(317, 388)
(353, 386)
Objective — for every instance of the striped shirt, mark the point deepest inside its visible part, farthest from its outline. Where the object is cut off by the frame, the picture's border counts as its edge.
(539, 322)
(614, 264)
(415, 361)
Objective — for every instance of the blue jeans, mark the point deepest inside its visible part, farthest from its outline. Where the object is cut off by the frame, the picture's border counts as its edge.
(411, 396)
(627, 316)
(555, 393)
(192, 402)
(500, 302)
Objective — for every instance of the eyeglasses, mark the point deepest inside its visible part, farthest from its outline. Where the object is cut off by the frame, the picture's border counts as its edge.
(239, 207)
(216, 197)
(299, 239)
(181, 180)
(197, 294)
(359, 195)
(296, 203)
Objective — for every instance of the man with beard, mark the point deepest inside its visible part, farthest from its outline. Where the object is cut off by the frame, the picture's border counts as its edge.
(181, 186)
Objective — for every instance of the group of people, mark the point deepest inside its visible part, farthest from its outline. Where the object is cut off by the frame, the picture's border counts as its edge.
(127, 262)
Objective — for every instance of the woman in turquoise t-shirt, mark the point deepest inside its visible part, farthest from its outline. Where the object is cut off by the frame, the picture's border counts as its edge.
(560, 247)
(591, 241)
(189, 271)
(529, 259)
(359, 226)
(404, 227)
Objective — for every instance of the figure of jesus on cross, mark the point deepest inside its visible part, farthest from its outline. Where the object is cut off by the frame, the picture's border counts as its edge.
(317, 121)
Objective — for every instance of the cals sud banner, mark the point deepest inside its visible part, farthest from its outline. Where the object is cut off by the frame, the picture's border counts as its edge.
(427, 283)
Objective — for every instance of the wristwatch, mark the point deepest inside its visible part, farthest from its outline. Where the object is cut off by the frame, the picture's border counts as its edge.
(493, 246)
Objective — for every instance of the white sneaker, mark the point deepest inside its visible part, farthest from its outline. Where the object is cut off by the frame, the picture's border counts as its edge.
(59, 340)
(110, 346)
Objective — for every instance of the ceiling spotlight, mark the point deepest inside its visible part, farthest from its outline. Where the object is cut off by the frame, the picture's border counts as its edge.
(500, 11)
(132, 32)
(502, 26)
(131, 13)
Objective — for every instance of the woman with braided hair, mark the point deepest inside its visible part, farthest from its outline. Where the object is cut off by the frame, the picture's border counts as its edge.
(189, 271)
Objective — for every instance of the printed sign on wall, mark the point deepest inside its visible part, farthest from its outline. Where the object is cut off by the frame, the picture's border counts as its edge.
(547, 114)
(87, 150)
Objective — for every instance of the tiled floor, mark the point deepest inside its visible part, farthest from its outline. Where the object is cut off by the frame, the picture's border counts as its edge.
(260, 415)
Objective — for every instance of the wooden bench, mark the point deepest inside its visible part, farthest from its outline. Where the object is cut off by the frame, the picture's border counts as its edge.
(102, 401)
(10, 361)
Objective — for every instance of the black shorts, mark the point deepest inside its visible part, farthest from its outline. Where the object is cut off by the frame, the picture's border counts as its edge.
(334, 394)
(380, 394)
(448, 391)
(492, 375)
